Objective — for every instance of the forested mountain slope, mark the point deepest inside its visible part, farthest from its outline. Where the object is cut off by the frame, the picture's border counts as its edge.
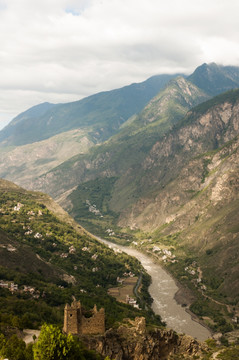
(46, 258)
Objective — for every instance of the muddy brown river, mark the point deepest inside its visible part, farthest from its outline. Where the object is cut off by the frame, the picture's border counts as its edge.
(163, 289)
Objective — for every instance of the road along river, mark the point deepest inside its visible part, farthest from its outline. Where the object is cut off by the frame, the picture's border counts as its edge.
(163, 289)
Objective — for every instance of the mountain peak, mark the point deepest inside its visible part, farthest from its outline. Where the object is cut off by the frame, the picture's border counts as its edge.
(215, 79)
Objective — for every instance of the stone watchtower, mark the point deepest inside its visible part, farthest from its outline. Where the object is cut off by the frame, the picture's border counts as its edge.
(77, 324)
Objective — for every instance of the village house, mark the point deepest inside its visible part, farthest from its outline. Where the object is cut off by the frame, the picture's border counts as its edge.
(18, 207)
(11, 248)
(38, 235)
(94, 257)
(13, 287)
(29, 289)
(110, 232)
(72, 249)
(131, 301)
(64, 255)
(3, 285)
(156, 248)
(29, 232)
(119, 280)
(129, 274)
(85, 249)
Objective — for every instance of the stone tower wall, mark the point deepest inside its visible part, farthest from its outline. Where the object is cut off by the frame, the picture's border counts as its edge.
(77, 324)
(71, 323)
(94, 324)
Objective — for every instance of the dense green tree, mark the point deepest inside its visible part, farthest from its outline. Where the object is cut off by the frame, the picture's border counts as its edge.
(15, 349)
(52, 344)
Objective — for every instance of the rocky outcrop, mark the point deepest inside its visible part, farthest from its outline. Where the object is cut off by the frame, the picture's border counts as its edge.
(132, 341)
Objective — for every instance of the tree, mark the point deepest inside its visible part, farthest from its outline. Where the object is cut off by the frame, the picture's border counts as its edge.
(14, 348)
(52, 344)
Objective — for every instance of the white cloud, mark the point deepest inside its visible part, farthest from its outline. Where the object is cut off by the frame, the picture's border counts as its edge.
(63, 50)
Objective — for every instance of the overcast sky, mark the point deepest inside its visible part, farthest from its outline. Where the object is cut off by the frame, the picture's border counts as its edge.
(63, 50)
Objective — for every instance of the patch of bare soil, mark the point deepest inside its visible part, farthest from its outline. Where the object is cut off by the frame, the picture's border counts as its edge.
(28, 335)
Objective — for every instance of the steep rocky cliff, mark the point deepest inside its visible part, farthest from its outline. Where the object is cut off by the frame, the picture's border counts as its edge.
(191, 158)
(133, 342)
(192, 182)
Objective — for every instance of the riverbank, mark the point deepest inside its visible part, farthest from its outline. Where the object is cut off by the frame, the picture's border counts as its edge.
(183, 296)
(163, 289)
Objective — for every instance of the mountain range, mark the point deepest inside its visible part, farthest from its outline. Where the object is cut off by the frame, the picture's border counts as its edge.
(99, 115)
(156, 162)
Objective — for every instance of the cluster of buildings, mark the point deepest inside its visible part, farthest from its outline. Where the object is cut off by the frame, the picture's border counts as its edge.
(110, 232)
(129, 274)
(30, 212)
(196, 271)
(32, 291)
(72, 250)
(131, 301)
(30, 232)
(167, 255)
(18, 207)
(93, 209)
(12, 287)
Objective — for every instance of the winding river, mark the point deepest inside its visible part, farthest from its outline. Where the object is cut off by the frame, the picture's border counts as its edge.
(163, 289)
